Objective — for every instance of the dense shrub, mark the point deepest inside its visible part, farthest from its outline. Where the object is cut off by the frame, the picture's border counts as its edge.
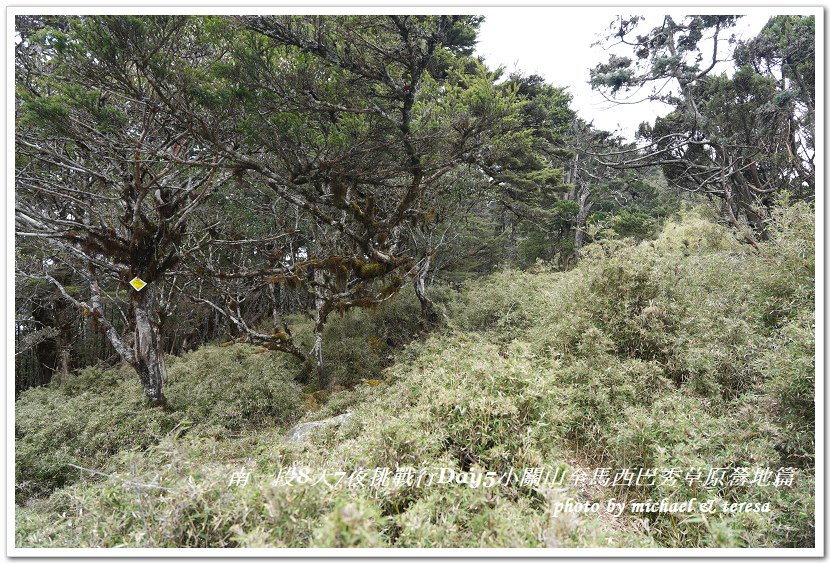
(90, 416)
(689, 350)
(634, 224)
(82, 422)
(789, 368)
(505, 304)
(359, 344)
(233, 387)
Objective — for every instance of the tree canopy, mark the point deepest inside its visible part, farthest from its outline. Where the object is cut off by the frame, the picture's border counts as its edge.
(252, 170)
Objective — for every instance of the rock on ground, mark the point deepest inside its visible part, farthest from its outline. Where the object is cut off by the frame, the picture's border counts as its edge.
(299, 433)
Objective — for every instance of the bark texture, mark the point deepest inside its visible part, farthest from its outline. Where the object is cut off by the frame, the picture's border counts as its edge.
(149, 356)
(429, 315)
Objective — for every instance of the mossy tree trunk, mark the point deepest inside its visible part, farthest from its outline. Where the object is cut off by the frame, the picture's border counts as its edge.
(148, 358)
(144, 353)
(321, 312)
(316, 356)
(429, 315)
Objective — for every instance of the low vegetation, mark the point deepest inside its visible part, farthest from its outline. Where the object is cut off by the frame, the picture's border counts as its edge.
(691, 349)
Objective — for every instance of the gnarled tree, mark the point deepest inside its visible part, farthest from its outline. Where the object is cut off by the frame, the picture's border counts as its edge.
(740, 138)
(351, 121)
(106, 180)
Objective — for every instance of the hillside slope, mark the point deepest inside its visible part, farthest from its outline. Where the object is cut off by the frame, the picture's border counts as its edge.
(689, 351)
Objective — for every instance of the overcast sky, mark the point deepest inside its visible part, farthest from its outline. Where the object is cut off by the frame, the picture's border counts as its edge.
(556, 43)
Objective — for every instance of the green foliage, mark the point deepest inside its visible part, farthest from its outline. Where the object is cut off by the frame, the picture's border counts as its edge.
(788, 366)
(667, 357)
(90, 416)
(351, 524)
(505, 301)
(359, 344)
(489, 519)
(636, 225)
(535, 246)
(235, 387)
(615, 74)
(83, 422)
(656, 354)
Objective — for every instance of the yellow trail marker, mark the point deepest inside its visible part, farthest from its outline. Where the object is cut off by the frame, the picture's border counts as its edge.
(138, 283)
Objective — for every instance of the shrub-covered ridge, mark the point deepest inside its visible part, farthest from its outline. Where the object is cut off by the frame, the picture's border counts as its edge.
(692, 350)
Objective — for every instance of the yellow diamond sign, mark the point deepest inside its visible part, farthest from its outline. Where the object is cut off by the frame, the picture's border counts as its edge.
(138, 283)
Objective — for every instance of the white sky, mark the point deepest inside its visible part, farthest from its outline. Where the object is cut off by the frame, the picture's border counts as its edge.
(556, 43)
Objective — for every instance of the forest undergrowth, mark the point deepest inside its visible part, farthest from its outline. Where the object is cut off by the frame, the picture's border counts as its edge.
(691, 350)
